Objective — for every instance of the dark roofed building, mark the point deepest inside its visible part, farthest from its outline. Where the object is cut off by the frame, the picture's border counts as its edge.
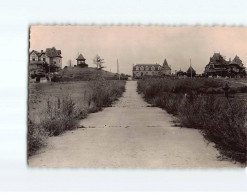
(40, 61)
(181, 74)
(140, 70)
(166, 69)
(81, 61)
(218, 66)
(191, 72)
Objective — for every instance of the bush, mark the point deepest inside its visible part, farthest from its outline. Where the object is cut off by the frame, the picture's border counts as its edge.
(36, 138)
(105, 92)
(221, 121)
(61, 115)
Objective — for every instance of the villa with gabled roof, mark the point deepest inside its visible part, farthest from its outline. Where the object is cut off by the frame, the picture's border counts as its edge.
(40, 61)
(218, 66)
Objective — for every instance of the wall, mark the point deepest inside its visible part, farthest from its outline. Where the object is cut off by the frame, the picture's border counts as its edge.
(57, 61)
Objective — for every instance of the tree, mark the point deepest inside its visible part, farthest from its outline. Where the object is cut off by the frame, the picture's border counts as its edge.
(70, 63)
(99, 62)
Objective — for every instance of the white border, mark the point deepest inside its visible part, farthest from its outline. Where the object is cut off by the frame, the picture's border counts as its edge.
(16, 16)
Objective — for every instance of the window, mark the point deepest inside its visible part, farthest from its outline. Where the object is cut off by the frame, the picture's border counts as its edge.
(152, 68)
(142, 68)
(137, 68)
(44, 59)
(33, 58)
(147, 68)
(54, 62)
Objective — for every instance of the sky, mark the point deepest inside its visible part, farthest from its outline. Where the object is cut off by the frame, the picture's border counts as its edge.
(142, 44)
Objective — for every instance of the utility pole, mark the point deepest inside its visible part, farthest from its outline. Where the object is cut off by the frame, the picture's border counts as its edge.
(118, 70)
(190, 69)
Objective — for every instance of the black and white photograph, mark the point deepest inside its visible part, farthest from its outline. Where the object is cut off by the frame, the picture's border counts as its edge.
(137, 97)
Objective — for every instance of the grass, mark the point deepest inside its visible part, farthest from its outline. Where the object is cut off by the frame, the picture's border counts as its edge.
(192, 101)
(57, 107)
(85, 74)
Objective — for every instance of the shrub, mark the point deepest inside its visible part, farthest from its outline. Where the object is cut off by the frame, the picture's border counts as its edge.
(220, 121)
(105, 92)
(61, 115)
(36, 138)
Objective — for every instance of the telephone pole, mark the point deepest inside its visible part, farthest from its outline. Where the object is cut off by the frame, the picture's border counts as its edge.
(118, 70)
(190, 69)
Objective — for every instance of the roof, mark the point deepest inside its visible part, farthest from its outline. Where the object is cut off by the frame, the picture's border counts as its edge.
(190, 69)
(165, 63)
(80, 57)
(217, 57)
(52, 52)
(156, 65)
(34, 51)
(237, 60)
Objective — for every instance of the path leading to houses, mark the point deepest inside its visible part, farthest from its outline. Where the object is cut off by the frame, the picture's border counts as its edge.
(129, 135)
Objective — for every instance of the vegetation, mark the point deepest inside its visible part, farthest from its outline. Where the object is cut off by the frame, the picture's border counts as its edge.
(71, 74)
(57, 107)
(104, 93)
(201, 104)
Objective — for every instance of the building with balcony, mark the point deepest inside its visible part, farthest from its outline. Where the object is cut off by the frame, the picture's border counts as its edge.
(218, 66)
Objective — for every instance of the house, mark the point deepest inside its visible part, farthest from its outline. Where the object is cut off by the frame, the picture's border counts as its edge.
(81, 61)
(191, 72)
(218, 66)
(181, 74)
(53, 57)
(140, 70)
(166, 69)
(45, 61)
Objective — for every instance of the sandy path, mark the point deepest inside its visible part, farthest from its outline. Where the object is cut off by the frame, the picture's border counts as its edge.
(129, 134)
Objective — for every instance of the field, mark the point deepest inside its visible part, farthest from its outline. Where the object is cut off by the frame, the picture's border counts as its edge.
(56, 107)
(201, 104)
(39, 93)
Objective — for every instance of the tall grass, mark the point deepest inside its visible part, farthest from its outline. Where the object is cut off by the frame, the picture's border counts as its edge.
(62, 113)
(105, 92)
(221, 121)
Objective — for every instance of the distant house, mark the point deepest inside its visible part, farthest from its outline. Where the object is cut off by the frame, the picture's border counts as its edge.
(43, 62)
(140, 70)
(166, 69)
(81, 61)
(181, 74)
(53, 57)
(218, 66)
(191, 72)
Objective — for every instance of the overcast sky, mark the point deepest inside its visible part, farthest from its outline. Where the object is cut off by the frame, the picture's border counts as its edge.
(142, 44)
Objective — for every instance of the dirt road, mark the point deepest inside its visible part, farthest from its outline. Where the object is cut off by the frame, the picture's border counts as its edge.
(132, 135)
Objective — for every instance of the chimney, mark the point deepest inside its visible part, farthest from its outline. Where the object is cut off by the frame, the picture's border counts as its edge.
(229, 59)
(41, 51)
